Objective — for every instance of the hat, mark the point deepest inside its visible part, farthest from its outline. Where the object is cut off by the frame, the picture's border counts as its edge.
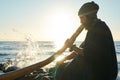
(88, 8)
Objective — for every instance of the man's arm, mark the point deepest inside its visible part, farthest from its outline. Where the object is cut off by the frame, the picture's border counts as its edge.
(75, 50)
(68, 57)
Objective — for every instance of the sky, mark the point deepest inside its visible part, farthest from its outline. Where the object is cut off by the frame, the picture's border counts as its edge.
(46, 20)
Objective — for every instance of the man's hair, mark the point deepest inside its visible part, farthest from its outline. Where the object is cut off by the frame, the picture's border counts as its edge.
(88, 8)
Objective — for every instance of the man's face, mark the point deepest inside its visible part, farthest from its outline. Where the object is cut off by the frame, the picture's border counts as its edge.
(83, 20)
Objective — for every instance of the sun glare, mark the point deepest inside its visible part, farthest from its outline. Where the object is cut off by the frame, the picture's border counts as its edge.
(61, 28)
(60, 58)
(58, 44)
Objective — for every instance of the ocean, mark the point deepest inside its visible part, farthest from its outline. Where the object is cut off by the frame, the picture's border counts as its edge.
(26, 53)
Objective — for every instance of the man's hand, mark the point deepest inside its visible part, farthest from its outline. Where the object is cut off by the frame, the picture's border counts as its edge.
(72, 48)
(68, 43)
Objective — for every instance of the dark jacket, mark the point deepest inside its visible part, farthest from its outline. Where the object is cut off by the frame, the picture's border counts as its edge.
(99, 61)
(99, 51)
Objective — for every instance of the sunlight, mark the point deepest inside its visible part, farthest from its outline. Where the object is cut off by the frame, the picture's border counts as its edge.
(61, 28)
(60, 58)
(59, 44)
(61, 24)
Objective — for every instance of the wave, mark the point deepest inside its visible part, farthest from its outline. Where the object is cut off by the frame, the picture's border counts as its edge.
(2, 54)
(8, 48)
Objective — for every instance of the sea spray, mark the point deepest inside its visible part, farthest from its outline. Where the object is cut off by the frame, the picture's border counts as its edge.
(31, 54)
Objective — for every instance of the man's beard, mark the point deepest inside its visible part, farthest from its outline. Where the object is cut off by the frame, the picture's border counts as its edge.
(87, 25)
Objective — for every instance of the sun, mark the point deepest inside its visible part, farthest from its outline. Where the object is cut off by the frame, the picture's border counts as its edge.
(61, 28)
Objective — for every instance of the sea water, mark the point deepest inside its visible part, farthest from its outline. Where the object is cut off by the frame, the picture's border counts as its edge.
(26, 53)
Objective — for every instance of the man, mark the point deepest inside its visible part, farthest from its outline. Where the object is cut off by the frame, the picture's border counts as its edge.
(96, 60)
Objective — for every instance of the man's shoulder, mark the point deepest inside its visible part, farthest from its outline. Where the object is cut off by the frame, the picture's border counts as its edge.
(100, 25)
